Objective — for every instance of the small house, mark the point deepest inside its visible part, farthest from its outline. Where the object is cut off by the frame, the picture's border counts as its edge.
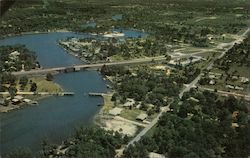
(244, 80)
(212, 82)
(155, 155)
(129, 103)
(141, 117)
(2, 102)
(193, 99)
(18, 97)
(115, 111)
(230, 86)
(239, 88)
(15, 101)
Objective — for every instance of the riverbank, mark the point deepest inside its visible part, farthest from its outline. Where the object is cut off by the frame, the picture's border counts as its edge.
(42, 86)
(34, 32)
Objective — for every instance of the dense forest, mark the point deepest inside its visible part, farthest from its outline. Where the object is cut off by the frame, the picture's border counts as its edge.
(143, 84)
(92, 142)
(171, 21)
(239, 55)
(200, 125)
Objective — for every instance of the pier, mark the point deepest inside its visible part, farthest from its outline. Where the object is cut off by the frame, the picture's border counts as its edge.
(96, 94)
(41, 93)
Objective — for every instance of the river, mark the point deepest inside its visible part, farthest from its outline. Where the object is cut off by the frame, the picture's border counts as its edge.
(55, 118)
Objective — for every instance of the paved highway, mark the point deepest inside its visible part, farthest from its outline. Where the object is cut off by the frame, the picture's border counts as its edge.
(98, 65)
(210, 65)
(186, 89)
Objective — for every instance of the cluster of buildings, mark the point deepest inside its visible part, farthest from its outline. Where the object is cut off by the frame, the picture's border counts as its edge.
(16, 100)
(130, 103)
(179, 61)
(213, 77)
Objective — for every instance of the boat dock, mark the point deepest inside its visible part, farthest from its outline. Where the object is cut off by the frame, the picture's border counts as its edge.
(96, 94)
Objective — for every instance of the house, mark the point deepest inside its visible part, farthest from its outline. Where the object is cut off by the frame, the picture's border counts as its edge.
(244, 80)
(27, 100)
(15, 101)
(239, 88)
(2, 102)
(129, 103)
(18, 97)
(235, 78)
(193, 99)
(212, 82)
(150, 106)
(14, 55)
(155, 155)
(115, 111)
(230, 86)
(141, 117)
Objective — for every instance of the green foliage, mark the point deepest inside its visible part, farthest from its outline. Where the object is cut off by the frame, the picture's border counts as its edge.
(9, 63)
(23, 81)
(147, 85)
(20, 153)
(94, 142)
(7, 78)
(49, 77)
(33, 87)
(239, 54)
(135, 151)
(201, 129)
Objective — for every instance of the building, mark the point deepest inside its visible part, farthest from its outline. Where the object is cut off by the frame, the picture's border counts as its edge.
(244, 80)
(193, 99)
(18, 97)
(2, 102)
(239, 88)
(115, 111)
(230, 86)
(155, 155)
(129, 103)
(141, 117)
(15, 101)
(212, 82)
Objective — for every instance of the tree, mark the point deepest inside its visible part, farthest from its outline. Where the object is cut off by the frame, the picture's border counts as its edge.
(20, 153)
(168, 57)
(33, 87)
(49, 77)
(12, 91)
(23, 81)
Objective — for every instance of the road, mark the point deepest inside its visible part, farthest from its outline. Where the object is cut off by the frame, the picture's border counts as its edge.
(225, 93)
(144, 131)
(210, 65)
(186, 89)
(129, 62)
(98, 65)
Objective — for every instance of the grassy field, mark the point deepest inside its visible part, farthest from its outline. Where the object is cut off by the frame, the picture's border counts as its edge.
(43, 85)
(108, 104)
(131, 114)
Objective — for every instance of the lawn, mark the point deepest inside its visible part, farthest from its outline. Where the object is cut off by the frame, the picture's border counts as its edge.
(131, 114)
(108, 104)
(43, 85)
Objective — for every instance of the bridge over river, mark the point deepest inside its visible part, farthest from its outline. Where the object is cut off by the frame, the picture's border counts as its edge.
(98, 65)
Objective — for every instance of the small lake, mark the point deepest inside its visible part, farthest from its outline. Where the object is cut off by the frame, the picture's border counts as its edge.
(55, 118)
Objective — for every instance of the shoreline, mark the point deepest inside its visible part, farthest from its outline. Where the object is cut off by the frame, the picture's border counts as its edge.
(34, 32)
(12, 107)
(36, 97)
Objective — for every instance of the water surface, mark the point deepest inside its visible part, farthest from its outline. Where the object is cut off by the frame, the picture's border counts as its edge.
(54, 118)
